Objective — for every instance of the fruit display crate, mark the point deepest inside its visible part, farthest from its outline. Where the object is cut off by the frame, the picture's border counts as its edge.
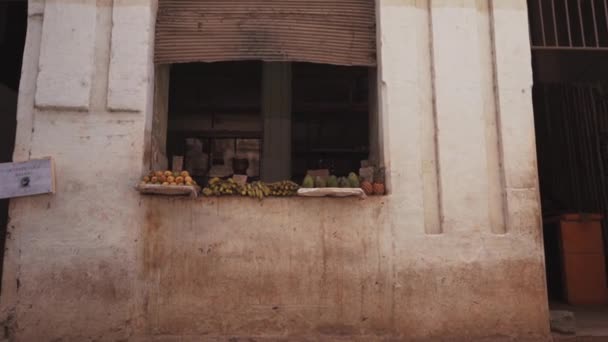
(169, 190)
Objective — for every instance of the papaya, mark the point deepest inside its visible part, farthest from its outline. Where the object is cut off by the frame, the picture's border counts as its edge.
(343, 183)
(353, 180)
(332, 182)
(320, 182)
(308, 182)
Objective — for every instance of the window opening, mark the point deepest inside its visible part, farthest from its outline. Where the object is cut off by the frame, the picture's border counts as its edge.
(330, 118)
(221, 114)
(214, 117)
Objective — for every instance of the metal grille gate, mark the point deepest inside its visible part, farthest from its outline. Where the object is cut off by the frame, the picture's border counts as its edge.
(572, 131)
(568, 24)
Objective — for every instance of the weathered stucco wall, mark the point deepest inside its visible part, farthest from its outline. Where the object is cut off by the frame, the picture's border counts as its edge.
(454, 251)
(324, 267)
(70, 260)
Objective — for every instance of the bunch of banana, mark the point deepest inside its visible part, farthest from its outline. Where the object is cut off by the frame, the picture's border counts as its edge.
(257, 190)
(219, 187)
(283, 188)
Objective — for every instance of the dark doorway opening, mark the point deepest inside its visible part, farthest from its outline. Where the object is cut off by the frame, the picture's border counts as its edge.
(13, 25)
(570, 63)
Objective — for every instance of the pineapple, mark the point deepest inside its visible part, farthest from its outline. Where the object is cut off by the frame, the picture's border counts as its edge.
(367, 187)
(379, 187)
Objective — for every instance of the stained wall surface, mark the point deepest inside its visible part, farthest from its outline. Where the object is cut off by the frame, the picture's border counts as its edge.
(454, 251)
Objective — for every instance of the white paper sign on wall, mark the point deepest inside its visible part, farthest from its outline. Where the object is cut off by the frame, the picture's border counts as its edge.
(33, 177)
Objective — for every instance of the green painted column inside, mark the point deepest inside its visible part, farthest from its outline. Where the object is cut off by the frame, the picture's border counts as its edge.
(276, 113)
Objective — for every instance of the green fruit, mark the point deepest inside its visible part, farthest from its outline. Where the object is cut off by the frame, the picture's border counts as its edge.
(308, 182)
(353, 180)
(320, 182)
(332, 182)
(343, 182)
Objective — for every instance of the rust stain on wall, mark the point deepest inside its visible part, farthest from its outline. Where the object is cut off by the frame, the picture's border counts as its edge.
(245, 272)
(152, 246)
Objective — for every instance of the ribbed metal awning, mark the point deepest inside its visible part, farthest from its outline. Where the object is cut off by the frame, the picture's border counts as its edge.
(338, 32)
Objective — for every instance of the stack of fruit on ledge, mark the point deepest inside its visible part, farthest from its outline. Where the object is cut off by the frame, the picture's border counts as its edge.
(375, 187)
(257, 189)
(379, 188)
(283, 188)
(352, 181)
(169, 178)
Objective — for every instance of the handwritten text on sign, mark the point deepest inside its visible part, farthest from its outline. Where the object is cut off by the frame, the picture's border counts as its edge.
(28, 178)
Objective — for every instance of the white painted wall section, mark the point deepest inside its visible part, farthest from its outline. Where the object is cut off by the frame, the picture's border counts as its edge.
(132, 23)
(514, 87)
(514, 96)
(464, 100)
(35, 7)
(67, 55)
(99, 261)
(407, 114)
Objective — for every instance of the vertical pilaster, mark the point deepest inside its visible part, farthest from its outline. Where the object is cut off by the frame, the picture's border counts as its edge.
(407, 128)
(67, 55)
(132, 36)
(512, 58)
(466, 116)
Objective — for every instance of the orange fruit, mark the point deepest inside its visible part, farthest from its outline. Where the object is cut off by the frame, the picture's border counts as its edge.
(170, 179)
(379, 189)
(179, 179)
(146, 179)
(173, 183)
(158, 173)
(154, 179)
(168, 173)
(165, 183)
(184, 174)
(188, 179)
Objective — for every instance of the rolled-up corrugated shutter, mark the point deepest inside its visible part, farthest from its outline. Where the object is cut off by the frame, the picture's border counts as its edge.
(322, 31)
